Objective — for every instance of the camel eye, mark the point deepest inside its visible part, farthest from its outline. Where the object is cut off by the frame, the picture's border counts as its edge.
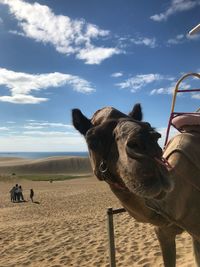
(92, 140)
(93, 143)
(133, 145)
(134, 150)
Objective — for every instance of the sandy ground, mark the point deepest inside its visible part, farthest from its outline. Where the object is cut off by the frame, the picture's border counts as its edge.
(67, 227)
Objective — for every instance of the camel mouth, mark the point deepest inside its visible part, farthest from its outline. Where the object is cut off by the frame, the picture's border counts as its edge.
(98, 175)
(153, 187)
(152, 191)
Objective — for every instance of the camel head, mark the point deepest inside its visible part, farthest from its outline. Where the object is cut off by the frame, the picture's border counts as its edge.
(124, 151)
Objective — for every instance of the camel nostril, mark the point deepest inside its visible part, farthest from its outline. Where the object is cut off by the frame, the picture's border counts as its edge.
(161, 195)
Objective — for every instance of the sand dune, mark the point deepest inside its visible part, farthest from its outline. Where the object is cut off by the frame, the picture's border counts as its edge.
(68, 229)
(51, 165)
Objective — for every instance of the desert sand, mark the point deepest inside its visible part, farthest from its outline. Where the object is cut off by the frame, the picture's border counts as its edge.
(66, 226)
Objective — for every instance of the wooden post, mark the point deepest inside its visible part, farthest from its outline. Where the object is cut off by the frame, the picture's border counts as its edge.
(111, 238)
(111, 234)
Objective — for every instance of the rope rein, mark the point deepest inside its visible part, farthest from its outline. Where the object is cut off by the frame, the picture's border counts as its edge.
(164, 162)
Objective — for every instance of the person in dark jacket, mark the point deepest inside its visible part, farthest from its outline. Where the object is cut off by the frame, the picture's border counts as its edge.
(12, 194)
(16, 194)
(31, 194)
(21, 197)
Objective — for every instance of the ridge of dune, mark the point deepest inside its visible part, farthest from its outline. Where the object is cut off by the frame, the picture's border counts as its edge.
(49, 165)
(2, 159)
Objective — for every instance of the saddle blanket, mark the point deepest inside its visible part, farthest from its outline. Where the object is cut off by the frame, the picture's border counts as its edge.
(186, 143)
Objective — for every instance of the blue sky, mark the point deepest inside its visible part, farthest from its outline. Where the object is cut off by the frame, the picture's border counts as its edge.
(61, 54)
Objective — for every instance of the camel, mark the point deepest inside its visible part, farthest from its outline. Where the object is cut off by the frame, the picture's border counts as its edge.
(124, 152)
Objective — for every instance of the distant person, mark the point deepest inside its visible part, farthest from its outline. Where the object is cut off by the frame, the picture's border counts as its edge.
(16, 194)
(21, 197)
(31, 194)
(12, 194)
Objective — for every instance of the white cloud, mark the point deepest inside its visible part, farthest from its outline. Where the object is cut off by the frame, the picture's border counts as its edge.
(17, 33)
(22, 84)
(175, 7)
(151, 42)
(51, 142)
(94, 55)
(161, 90)
(181, 38)
(195, 37)
(11, 122)
(22, 99)
(49, 133)
(68, 36)
(30, 120)
(32, 125)
(4, 128)
(196, 95)
(117, 74)
(54, 136)
(177, 40)
(137, 82)
(169, 90)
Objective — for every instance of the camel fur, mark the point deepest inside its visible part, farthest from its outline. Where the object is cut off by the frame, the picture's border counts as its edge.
(124, 152)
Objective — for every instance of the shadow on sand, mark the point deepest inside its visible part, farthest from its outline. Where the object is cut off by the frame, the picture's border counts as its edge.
(36, 202)
(20, 201)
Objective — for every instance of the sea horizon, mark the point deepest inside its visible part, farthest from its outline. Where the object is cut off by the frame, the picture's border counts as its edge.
(44, 154)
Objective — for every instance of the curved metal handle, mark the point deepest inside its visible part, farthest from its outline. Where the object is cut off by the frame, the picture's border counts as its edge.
(197, 75)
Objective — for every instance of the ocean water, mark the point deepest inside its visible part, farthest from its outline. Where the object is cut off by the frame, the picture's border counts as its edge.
(39, 155)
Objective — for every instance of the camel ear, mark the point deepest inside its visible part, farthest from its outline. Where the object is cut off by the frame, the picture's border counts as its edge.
(136, 112)
(80, 122)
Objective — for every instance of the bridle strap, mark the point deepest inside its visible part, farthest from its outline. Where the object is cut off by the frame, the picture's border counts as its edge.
(103, 167)
(104, 170)
(107, 176)
(164, 163)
